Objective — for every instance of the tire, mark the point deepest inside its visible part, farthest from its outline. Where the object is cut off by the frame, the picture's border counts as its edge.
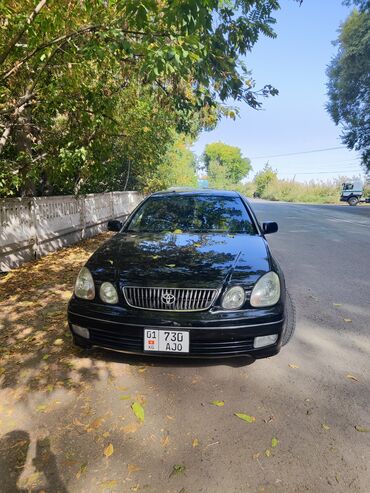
(290, 320)
(353, 201)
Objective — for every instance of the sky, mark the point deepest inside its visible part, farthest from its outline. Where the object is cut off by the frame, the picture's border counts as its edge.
(296, 120)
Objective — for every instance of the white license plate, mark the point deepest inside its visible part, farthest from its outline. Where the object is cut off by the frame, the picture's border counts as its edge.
(168, 341)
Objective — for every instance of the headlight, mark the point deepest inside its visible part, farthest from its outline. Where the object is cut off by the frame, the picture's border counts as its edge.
(84, 287)
(234, 298)
(266, 291)
(108, 293)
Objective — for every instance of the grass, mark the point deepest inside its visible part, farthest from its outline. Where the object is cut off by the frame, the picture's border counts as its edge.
(292, 191)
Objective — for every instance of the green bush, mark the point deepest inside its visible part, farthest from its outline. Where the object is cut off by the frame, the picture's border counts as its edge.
(292, 191)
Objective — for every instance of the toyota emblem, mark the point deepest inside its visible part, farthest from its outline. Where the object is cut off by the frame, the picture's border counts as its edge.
(168, 298)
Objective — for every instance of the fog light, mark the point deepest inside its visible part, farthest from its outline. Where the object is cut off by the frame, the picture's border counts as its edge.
(81, 331)
(263, 341)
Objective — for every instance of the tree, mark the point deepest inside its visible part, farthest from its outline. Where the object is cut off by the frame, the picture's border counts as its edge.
(177, 168)
(263, 178)
(225, 164)
(67, 67)
(349, 82)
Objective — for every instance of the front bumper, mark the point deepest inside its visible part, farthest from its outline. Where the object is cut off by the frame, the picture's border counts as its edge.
(212, 333)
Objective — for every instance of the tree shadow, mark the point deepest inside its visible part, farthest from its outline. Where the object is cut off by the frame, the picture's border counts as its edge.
(14, 447)
(13, 455)
(36, 350)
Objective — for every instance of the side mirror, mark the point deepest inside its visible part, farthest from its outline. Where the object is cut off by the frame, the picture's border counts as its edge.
(114, 225)
(269, 227)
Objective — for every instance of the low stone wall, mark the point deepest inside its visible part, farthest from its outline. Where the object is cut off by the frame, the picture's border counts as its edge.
(31, 227)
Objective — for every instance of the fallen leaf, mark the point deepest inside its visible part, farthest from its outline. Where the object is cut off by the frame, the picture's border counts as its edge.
(178, 231)
(245, 417)
(177, 469)
(267, 453)
(170, 265)
(138, 410)
(347, 320)
(274, 442)
(362, 429)
(292, 365)
(337, 304)
(131, 428)
(352, 377)
(108, 485)
(95, 424)
(134, 488)
(154, 257)
(255, 456)
(142, 369)
(108, 451)
(81, 471)
(165, 441)
(125, 397)
(140, 399)
(218, 403)
(195, 443)
(325, 427)
(133, 468)
(58, 342)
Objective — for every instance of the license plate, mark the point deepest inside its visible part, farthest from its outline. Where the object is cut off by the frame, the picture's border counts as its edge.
(167, 341)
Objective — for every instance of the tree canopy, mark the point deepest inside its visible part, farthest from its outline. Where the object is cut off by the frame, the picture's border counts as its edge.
(225, 164)
(349, 82)
(92, 92)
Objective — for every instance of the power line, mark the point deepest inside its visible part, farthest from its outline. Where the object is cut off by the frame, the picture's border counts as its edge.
(302, 152)
(321, 172)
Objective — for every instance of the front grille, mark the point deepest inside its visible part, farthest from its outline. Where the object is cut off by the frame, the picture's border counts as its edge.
(170, 299)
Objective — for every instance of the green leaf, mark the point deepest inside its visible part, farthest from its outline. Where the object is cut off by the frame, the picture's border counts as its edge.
(138, 410)
(362, 429)
(177, 469)
(245, 417)
(274, 442)
(218, 403)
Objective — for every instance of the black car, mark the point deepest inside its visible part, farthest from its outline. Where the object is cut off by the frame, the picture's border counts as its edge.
(189, 273)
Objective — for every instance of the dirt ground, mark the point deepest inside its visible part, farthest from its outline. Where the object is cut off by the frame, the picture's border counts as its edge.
(72, 421)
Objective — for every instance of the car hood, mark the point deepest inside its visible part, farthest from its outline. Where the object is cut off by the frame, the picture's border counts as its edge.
(182, 260)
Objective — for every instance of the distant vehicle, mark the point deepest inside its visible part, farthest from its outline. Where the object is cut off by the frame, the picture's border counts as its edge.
(352, 193)
(189, 274)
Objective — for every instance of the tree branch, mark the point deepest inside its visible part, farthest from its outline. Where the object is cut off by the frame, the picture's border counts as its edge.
(17, 37)
(63, 38)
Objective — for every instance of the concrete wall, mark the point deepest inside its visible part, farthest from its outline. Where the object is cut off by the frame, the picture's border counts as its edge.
(31, 227)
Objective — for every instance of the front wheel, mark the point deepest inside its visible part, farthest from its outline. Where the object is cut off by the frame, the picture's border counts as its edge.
(353, 201)
(290, 320)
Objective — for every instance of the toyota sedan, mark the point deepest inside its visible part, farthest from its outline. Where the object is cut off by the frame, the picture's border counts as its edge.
(188, 274)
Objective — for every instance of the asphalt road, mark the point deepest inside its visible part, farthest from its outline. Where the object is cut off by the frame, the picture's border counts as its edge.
(307, 401)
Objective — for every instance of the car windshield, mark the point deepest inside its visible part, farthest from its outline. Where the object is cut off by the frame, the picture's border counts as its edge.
(192, 214)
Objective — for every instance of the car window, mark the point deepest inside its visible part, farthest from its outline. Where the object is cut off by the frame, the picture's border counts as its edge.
(192, 214)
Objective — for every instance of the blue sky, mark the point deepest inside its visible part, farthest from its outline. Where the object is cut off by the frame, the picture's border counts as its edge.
(296, 119)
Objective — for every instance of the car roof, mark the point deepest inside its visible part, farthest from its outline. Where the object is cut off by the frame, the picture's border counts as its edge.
(196, 191)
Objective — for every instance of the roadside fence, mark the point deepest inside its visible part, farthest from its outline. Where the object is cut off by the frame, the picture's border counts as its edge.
(32, 227)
